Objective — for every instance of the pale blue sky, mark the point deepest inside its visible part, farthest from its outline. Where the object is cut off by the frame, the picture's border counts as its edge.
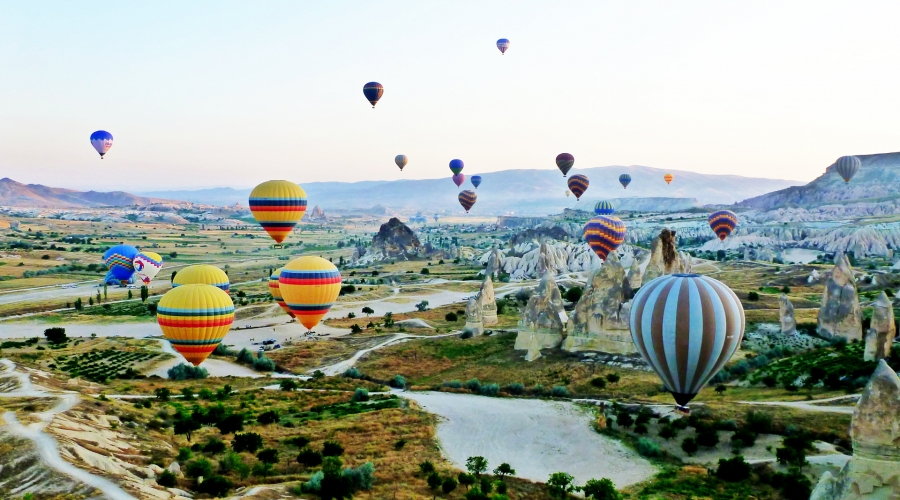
(203, 94)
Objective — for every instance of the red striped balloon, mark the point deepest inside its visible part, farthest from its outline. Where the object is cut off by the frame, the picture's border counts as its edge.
(578, 184)
(723, 223)
(604, 234)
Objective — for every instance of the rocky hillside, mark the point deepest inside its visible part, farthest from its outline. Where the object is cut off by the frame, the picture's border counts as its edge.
(16, 194)
(876, 183)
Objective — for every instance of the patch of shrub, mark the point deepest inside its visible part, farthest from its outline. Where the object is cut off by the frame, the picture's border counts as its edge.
(515, 388)
(398, 382)
(184, 371)
(648, 448)
(559, 391)
(352, 373)
(473, 385)
(733, 469)
(360, 395)
(451, 317)
(490, 390)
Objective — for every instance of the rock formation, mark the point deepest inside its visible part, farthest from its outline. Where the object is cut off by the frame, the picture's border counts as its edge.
(600, 319)
(494, 263)
(488, 302)
(873, 473)
(786, 314)
(883, 330)
(635, 274)
(814, 277)
(523, 260)
(840, 314)
(395, 240)
(473, 316)
(544, 262)
(317, 213)
(687, 261)
(664, 259)
(544, 319)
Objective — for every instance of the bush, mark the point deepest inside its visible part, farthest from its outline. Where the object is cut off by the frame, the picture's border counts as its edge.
(743, 439)
(360, 395)
(454, 384)
(467, 333)
(223, 350)
(352, 373)
(184, 454)
(297, 441)
(668, 432)
(248, 441)
(215, 486)
(287, 385)
(451, 317)
(612, 378)
(598, 382)
(752, 296)
(708, 438)
(268, 456)
(56, 335)
(573, 294)
(245, 356)
(648, 448)
(263, 364)
(640, 429)
(398, 382)
(559, 391)
(267, 417)
(360, 478)
(759, 422)
(689, 446)
(490, 390)
(473, 385)
(187, 372)
(309, 457)
(515, 388)
(332, 449)
(214, 446)
(733, 469)
(166, 479)
(198, 468)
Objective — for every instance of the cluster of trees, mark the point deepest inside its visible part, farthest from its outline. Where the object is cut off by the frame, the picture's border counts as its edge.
(259, 362)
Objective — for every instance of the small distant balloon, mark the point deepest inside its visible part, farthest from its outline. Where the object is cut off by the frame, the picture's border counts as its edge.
(668, 178)
(102, 141)
(503, 45)
(456, 166)
(565, 161)
(401, 161)
(604, 208)
(467, 199)
(847, 166)
(723, 223)
(458, 179)
(625, 180)
(568, 193)
(578, 184)
(475, 180)
(373, 91)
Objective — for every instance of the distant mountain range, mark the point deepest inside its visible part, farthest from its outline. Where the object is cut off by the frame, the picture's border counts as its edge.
(878, 180)
(526, 192)
(16, 194)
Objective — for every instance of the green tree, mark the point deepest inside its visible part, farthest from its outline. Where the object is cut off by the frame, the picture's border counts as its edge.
(163, 394)
(434, 481)
(288, 384)
(56, 335)
(186, 424)
(231, 424)
(268, 455)
(332, 448)
(166, 479)
(198, 468)
(574, 294)
(720, 389)
(426, 467)
(476, 465)
(248, 441)
(367, 311)
(560, 485)
(104, 291)
(612, 378)
(448, 485)
(187, 394)
(130, 296)
(465, 479)
(689, 446)
(145, 293)
(78, 305)
(421, 307)
(504, 470)
(309, 457)
(267, 417)
(334, 484)
(602, 489)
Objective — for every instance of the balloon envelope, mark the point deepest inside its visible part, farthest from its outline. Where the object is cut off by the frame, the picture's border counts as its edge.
(503, 45)
(278, 206)
(194, 319)
(102, 141)
(568, 193)
(147, 266)
(668, 178)
(475, 180)
(309, 285)
(373, 91)
(120, 261)
(723, 223)
(686, 327)
(401, 161)
(625, 180)
(565, 161)
(604, 208)
(456, 166)
(847, 166)
(604, 234)
(458, 179)
(578, 184)
(275, 290)
(467, 199)
(202, 274)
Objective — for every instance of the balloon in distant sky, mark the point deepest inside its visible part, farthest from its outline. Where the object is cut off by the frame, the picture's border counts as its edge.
(503, 45)
(604, 234)
(373, 92)
(102, 141)
(604, 208)
(625, 180)
(456, 166)
(201, 274)
(847, 166)
(467, 199)
(565, 161)
(578, 184)
(475, 180)
(278, 206)
(401, 161)
(668, 178)
(194, 319)
(458, 179)
(686, 327)
(275, 290)
(568, 193)
(147, 265)
(120, 261)
(723, 223)
(309, 285)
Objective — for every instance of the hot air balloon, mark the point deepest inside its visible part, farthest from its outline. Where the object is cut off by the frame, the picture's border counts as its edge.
(278, 206)
(668, 178)
(565, 161)
(467, 199)
(201, 274)
(604, 234)
(604, 208)
(503, 45)
(194, 319)
(147, 265)
(456, 166)
(309, 285)
(102, 141)
(373, 92)
(578, 184)
(275, 290)
(847, 166)
(401, 161)
(458, 179)
(568, 193)
(625, 180)
(723, 223)
(475, 180)
(120, 261)
(686, 327)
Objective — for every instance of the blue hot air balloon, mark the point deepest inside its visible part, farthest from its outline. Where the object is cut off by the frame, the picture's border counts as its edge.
(475, 180)
(120, 261)
(456, 166)
(503, 45)
(373, 92)
(625, 180)
(604, 208)
(102, 141)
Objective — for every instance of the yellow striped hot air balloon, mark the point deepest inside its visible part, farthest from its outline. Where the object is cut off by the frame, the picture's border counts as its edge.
(202, 274)
(275, 290)
(194, 319)
(278, 206)
(668, 178)
(309, 285)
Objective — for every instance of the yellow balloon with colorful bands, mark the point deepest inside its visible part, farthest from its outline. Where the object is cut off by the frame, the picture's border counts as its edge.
(194, 319)
(278, 206)
(202, 274)
(275, 290)
(309, 285)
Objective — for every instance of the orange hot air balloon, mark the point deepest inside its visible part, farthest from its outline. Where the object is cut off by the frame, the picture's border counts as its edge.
(309, 285)
(668, 178)
(278, 206)
(194, 319)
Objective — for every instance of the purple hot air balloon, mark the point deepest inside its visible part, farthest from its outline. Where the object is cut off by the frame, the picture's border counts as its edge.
(458, 179)
(503, 45)
(373, 92)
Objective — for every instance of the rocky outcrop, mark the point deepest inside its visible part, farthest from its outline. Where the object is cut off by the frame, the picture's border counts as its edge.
(544, 319)
(882, 331)
(635, 273)
(814, 277)
(396, 240)
(473, 316)
(786, 315)
(494, 263)
(488, 302)
(523, 260)
(600, 319)
(840, 314)
(873, 473)
(317, 214)
(664, 259)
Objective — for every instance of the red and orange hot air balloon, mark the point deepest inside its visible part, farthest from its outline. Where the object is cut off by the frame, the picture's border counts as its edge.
(309, 285)
(278, 206)
(194, 319)
(668, 178)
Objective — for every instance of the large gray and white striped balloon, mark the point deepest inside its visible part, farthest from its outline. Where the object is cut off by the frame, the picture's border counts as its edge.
(686, 326)
(847, 166)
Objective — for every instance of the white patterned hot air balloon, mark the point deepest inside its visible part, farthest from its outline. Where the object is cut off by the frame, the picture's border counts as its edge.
(147, 265)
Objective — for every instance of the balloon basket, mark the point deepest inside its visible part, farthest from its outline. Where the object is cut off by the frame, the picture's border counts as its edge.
(277, 247)
(684, 411)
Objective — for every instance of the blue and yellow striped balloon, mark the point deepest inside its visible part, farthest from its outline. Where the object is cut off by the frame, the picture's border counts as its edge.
(202, 274)
(275, 290)
(578, 184)
(604, 234)
(604, 208)
(723, 223)
(194, 319)
(278, 206)
(309, 285)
